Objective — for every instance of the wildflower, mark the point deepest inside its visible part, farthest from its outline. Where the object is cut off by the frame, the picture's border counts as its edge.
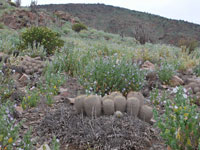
(185, 96)
(175, 90)
(189, 142)
(54, 87)
(10, 140)
(178, 136)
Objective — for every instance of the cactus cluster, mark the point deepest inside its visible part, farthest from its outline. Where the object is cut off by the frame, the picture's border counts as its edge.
(32, 65)
(133, 105)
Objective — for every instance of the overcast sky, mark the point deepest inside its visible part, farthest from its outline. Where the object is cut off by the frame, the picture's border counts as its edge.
(188, 10)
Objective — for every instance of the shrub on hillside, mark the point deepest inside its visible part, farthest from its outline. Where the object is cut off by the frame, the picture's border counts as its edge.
(78, 27)
(43, 36)
(165, 72)
(105, 75)
(190, 44)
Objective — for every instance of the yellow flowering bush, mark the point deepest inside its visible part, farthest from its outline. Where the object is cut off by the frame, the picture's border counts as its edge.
(41, 36)
(179, 124)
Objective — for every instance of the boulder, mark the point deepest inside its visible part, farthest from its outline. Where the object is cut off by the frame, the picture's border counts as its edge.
(147, 65)
(176, 81)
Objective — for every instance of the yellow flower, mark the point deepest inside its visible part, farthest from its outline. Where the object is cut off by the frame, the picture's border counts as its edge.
(10, 140)
(186, 114)
(185, 107)
(54, 87)
(189, 142)
(178, 136)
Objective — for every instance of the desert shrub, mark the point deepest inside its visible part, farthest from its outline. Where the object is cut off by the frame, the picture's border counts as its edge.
(43, 36)
(141, 35)
(165, 72)
(179, 124)
(78, 27)
(104, 75)
(190, 44)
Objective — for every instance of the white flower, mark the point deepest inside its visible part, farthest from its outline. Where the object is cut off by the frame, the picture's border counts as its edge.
(184, 89)
(176, 107)
(57, 140)
(175, 90)
(185, 96)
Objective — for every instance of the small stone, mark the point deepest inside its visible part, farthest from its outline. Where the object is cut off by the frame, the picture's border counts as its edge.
(24, 79)
(176, 81)
(148, 66)
(196, 90)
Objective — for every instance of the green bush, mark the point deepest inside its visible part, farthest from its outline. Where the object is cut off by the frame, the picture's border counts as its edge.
(165, 72)
(104, 75)
(179, 124)
(42, 36)
(78, 27)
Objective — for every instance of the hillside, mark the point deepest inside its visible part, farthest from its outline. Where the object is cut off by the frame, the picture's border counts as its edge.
(123, 21)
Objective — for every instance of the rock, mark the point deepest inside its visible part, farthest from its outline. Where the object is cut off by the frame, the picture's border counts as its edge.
(137, 95)
(196, 89)
(120, 103)
(92, 105)
(18, 112)
(145, 113)
(191, 86)
(64, 92)
(78, 103)
(24, 79)
(44, 147)
(108, 107)
(176, 81)
(147, 65)
(133, 106)
(118, 114)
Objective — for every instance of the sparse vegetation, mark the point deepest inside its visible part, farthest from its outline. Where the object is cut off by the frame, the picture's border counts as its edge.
(180, 122)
